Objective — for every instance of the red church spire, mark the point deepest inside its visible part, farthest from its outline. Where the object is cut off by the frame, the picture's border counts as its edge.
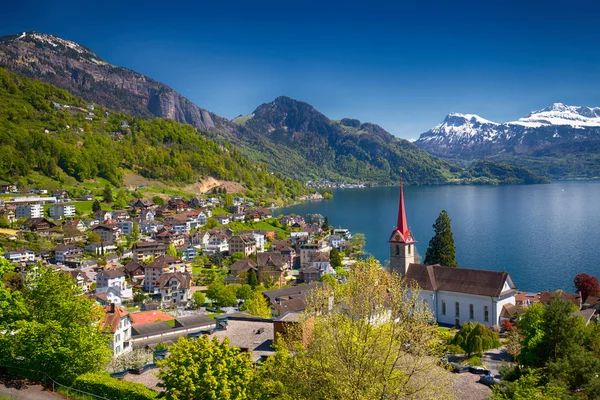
(401, 234)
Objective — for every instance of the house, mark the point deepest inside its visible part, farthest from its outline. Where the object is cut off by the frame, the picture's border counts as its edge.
(218, 243)
(264, 213)
(319, 266)
(174, 288)
(188, 253)
(75, 223)
(62, 211)
(107, 232)
(454, 295)
(239, 217)
(573, 298)
(245, 244)
(291, 299)
(272, 266)
(61, 194)
(144, 251)
(197, 202)
(20, 255)
(101, 248)
(80, 278)
(112, 282)
(72, 235)
(285, 249)
(125, 226)
(149, 227)
(103, 215)
(6, 188)
(178, 205)
(223, 219)
(134, 270)
(9, 214)
(161, 265)
(202, 218)
(336, 241)
(259, 238)
(117, 324)
(240, 268)
(309, 274)
(200, 239)
(65, 253)
(33, 210)
(343, 233)
(308, 251)
(120, 215)
(144, 204)
(147, 215)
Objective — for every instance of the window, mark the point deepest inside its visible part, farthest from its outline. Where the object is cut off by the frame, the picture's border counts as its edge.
(457, 309)
(443, 307)
(397, 250)
(409, 250)
(471, 311)
(486, 314)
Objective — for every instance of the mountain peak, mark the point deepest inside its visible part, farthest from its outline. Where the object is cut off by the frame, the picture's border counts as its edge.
(52, 42)
(460, 119)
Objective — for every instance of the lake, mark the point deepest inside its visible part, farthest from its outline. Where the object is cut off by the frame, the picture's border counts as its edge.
(543, 235)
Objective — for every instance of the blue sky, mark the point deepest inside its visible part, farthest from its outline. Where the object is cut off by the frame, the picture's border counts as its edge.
(403, 66)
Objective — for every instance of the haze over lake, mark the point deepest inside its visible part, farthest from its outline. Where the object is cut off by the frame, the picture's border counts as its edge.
(543, 235)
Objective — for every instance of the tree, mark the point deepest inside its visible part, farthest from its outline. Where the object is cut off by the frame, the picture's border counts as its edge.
(588, 285)
(358, 242)
(325, 225)
(171, 250)
(121, 200)
(338, 352)
(199, 298)
(94, 237)
(334, 258)
(96, 206)
(228, 200)
(257, 305)
(59, 331)
(244, 292)
(135, 232)
(328, 279)
(13, 281)
(238, 255)
(514, 344)
(206, 369)
(252, 278)
(441, 248)
(474, 338)
(107, 194)
(159, 201)
(224, 296)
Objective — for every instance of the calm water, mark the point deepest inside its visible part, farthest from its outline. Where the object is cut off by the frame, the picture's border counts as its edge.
(543, 235)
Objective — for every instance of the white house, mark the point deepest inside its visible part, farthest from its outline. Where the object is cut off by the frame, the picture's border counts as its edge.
(112, 282)
(20, 255)
(62, 211)
(101, 248)
(107, 232)
(29, 211)
(217, 243)
(161, 265)
(117, 324)
(174, 288)
(336, 241)
(64, 252)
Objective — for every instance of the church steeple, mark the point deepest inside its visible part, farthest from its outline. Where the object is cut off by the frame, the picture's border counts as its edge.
(402, 241)
(401, 234)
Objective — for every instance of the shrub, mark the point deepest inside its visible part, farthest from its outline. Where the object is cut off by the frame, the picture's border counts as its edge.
(475, 338)
(111, 388)
(475, 361)
(454, 349)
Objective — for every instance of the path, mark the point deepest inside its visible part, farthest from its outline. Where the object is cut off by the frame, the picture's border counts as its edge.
(32, 392)
(493, 360)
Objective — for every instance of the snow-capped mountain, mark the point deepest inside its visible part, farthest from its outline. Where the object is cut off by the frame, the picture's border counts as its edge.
(470, 136)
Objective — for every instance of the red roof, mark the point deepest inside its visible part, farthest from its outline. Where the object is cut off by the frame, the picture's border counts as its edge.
(146, 317)
(401, 234)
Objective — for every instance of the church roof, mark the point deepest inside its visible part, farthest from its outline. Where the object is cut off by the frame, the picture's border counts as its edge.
(458, 280)
(401, 234)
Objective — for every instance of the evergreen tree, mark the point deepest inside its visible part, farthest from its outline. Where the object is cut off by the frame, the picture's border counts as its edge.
(252, 278)
(441, 246)
(107, 194)
(334, 258)
(325, 226)
(96, 206)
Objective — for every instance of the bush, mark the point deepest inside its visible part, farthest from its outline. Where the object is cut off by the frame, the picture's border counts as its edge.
(111, 388)
(475, 361)
(454, 349)
(475, 338)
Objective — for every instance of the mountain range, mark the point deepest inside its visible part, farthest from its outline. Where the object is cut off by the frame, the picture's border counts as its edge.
(557, 141)
(289, 136)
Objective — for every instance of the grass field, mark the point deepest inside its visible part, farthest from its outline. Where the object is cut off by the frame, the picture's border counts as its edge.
(10, 232)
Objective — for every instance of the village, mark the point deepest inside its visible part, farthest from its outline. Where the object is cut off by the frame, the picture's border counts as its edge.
(194, 267)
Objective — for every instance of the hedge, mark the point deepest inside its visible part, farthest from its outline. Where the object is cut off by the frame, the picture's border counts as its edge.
(111, 388)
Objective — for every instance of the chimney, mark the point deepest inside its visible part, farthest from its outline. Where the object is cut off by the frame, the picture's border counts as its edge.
(112, 308)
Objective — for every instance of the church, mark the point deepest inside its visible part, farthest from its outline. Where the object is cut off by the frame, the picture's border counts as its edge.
(454, 295)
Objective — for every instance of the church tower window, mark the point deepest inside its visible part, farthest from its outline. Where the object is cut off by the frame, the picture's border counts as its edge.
(443, 307)
(471, 311)
(486, 314)
(457, 309)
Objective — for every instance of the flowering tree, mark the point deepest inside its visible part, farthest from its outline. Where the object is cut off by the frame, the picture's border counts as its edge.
(586, 284)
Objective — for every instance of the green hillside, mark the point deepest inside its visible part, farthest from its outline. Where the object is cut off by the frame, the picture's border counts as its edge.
(47, 131)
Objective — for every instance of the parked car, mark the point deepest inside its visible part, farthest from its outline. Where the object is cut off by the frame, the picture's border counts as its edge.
(489, 380)
(459, 369)
(479, 371)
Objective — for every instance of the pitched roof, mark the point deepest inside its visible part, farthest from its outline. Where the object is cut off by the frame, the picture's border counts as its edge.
(132, 266)
(112, 273)
(288, 293)
(458, 280)
(271, 258)
(163, 261)
(184, 280)
(149, 245)
(112, 317)
(243, 265)
(574, 298)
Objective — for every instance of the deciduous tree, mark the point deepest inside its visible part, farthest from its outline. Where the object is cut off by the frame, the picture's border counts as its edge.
(588, 285)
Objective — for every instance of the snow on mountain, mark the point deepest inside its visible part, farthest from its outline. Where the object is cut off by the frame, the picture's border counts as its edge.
(462, 127)
(560, 114)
